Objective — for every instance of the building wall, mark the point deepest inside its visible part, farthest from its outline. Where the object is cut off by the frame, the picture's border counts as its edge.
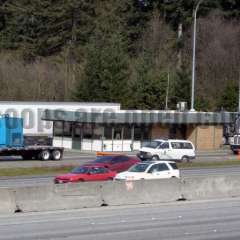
(159, 131)
(205, 137)
(31, 112)
(218, 136)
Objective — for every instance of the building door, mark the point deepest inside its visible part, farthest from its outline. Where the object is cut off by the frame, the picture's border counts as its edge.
(77, 136)
(118, 138)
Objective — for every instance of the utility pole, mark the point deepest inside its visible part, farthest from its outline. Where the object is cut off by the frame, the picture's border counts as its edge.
(239, 92)
(167, 91)
(194, 54)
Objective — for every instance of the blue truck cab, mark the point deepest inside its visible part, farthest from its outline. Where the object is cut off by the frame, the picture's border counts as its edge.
(11, 132)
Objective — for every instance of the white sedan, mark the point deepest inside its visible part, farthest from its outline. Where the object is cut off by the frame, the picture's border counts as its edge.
(150, 170)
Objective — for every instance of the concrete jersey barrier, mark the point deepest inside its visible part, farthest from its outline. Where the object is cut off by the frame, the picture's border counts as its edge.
(141, 192)
(199, 188)
(95, 194)
(59, 197)
(7, 201)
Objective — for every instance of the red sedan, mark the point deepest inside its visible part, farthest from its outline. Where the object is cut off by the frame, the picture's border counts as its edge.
(86, 173)
(118, 163)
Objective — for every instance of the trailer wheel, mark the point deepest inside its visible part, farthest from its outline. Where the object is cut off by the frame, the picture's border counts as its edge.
(56, 155)
(45, 155)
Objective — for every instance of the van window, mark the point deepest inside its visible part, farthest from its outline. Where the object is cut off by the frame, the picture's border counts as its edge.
(164, 145)
(181, 145)
(176, 145)
(187, 145)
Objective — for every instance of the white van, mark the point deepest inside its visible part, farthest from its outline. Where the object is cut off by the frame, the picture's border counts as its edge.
(179, 150)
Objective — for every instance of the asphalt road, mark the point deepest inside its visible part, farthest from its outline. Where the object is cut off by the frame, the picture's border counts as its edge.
(41, 180)
(76, 158)
(208, 220)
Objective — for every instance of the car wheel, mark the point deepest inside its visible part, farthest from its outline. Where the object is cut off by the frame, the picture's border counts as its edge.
(185, 159)
(110, 179)
(155, 158)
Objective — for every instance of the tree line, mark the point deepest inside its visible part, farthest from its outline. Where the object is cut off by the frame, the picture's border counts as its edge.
(134, 52)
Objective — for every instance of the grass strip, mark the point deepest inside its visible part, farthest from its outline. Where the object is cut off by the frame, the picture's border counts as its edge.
(13, 172)
(213, 164)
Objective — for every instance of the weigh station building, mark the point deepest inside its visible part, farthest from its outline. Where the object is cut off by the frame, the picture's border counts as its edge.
(113, 129)
(105, 127)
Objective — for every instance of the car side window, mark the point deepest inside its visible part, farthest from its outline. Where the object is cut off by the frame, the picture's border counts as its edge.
(162, 167)
(173, 165)
(153, 169)
(97, 170)
(120, 159)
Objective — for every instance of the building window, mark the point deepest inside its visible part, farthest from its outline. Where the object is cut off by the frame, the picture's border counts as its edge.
(117, 132)
(127, 132)
(58, 129)
(146, 130)
(98, 132)
(108, 133)
(87, 131)
(142, 133)
(67, 131)
(137, 133)
(77, 129)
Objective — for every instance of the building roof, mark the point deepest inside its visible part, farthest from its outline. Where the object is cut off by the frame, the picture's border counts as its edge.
(58, 103)
(141, 117)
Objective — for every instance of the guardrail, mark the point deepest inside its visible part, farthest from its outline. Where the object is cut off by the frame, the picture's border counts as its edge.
(117, 193)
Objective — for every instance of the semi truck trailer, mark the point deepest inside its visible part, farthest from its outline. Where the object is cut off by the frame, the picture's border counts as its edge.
(12, 142)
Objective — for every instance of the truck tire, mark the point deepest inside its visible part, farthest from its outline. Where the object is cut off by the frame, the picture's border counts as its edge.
(155, 158)
(185, 159)
(45, 155)
(56, 155)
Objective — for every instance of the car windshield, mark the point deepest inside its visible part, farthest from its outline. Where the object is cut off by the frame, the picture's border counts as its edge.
(139, 168)
(103, 159)
(80, 170)
(153, 144)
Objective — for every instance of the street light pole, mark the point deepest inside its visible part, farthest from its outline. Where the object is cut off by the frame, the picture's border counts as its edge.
(167, 91)
(194, 54)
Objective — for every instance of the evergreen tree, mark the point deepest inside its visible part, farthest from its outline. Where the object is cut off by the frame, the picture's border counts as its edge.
(149, 87)
(231, 8)
(106, 72)
(43, 27)
(229, 99)
(182, 87)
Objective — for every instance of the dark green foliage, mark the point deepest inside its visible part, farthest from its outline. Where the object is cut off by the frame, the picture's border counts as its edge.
(113, 50)
(201, 104)
(106, 72)
(181, 11)
(43, 27)
(229, 99)
(182, 86)
(231, 8)
(149, 87)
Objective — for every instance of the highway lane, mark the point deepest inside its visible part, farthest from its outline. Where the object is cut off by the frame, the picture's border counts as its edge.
(203, 220)
(76, 158)
(41, 180)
